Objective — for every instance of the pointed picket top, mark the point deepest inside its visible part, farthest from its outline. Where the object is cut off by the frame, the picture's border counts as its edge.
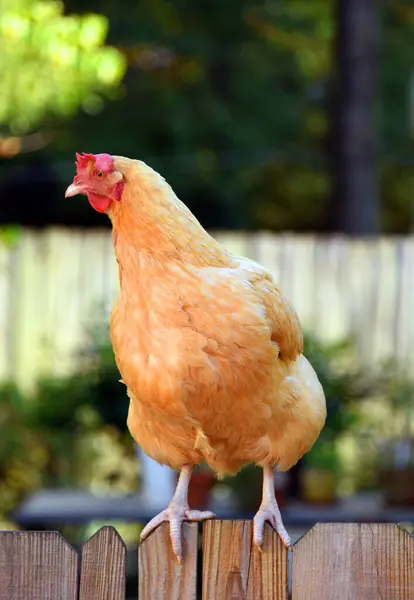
(103, 569)
(55, 561)
(354, 561)
(234, 568)
(160, 575)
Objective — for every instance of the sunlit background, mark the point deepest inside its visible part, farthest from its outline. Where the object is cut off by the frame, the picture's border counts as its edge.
(287, 126)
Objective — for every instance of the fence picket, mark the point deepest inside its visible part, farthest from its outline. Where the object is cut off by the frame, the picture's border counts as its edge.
(160, 576)
(37, 566)
(331, 562)
(354, 562)
(233, 569)
(103, 566)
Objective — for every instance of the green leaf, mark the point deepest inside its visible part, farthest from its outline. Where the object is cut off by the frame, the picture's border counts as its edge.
(94, 29)
(52, 64)
(10, 235)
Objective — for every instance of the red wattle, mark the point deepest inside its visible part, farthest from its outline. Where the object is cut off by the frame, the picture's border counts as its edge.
(99, 203)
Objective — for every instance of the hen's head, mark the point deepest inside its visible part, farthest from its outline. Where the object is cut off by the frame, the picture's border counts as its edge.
(97, 178)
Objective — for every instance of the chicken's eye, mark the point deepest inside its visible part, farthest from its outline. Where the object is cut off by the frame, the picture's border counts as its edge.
(99, 174)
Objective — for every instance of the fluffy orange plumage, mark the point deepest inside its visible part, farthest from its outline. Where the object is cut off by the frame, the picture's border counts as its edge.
(208, 347)
(204, 341)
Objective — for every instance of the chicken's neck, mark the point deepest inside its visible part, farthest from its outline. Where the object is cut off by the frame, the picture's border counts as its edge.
(149, 236)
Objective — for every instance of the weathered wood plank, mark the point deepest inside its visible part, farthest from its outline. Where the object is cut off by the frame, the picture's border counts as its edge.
(65, 328)
(103, 570)
(234, 570)
(386, 286)
(7, 257)
(354, 562)
(404, 324)
(160, 576)
(37, 566)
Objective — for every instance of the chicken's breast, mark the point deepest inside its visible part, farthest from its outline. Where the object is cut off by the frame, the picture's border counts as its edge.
(212, 361)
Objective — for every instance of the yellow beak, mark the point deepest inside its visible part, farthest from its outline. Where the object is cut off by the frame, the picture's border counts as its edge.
(73, 190)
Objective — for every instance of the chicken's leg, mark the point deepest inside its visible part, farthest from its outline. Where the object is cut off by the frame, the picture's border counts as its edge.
(177, 512)
(269, 511)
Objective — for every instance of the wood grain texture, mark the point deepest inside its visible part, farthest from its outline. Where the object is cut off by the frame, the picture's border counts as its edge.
(37, 566)
(103, 568)
(160, 576)
(354, 562)
(234, 570)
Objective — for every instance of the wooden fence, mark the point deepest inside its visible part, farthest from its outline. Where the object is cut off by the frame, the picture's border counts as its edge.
(331, 562)
(52, 282)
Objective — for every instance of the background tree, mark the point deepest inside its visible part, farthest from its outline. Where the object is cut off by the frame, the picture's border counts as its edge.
(355, 199)
(52, 65)
(231, 101)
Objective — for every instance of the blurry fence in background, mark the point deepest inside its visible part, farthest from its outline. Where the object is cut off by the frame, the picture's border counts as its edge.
(340, 561)
(54, 282)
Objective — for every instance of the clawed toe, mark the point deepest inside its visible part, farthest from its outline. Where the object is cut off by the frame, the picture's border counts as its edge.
(176, 515)
(272, 516)
(197, 515)
(154, 523)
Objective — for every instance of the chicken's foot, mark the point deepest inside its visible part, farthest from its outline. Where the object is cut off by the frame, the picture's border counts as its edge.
(177, 512)
(269, 511)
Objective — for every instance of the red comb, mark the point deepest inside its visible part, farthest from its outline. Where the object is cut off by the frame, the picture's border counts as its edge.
(103, 162)
(82, 160)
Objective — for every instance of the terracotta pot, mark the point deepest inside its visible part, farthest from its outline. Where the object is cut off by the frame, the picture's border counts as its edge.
(201, 484)
(396, 472)
(318, 486)
(398, 486)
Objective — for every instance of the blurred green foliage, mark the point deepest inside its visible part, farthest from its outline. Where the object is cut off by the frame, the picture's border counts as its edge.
(220, 99)
(231, 101)
(10, 235)
(52, 64)
(71, 432)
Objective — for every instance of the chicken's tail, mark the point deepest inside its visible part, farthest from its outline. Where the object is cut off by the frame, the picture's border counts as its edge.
(302, 411)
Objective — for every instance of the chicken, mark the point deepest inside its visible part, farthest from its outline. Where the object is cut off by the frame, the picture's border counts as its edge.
(209, 349)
